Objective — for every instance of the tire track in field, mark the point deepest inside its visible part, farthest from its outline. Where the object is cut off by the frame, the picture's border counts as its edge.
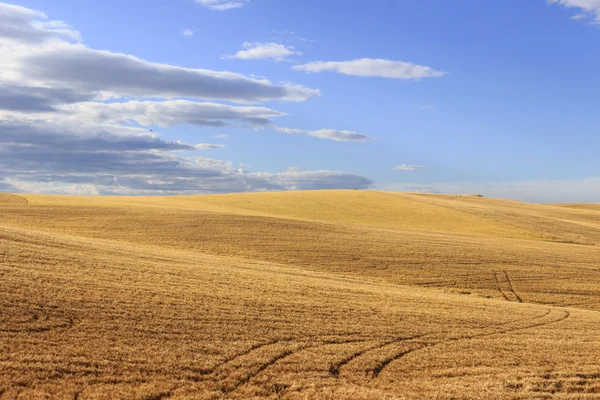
(262, 367)
(40, 321)
(254, 347)
(510, 286)
(377, 369)
(280, 356)
(334, 368)
(498, 286)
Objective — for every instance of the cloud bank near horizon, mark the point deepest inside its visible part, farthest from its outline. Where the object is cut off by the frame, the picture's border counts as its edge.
(74, 119)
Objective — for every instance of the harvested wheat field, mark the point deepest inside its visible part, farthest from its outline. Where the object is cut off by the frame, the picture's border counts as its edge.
(298, 295)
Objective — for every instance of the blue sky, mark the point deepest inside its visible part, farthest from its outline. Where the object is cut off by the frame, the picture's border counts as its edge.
(498, 98)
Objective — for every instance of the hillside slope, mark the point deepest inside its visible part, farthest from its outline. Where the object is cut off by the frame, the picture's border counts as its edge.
(551, 254)
(312, 295)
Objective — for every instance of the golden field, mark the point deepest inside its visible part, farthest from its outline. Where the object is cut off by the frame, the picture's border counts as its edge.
(298, 295)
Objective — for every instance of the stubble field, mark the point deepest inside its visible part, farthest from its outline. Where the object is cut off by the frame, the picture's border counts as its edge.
(301, 295)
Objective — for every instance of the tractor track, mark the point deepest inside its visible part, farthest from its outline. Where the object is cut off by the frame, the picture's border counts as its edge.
(498, 286)
(510, 286)
(280, 356)
(334, 368)
(378, 368)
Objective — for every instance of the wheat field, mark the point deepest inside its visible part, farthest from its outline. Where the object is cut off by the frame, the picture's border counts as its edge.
(298, 295)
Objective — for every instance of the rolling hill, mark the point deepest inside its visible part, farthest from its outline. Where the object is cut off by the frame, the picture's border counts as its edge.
(298, 295)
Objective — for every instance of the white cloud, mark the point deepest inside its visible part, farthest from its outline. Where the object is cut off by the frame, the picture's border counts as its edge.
(20, 98)
(264, 51)
(171, 112)
(188, 32)
(38, 54)
(222, 5)
(331, 134)
(75, 157)
(373, 67)
(589, 8)
(538, 191)
(108, 74)
(208, 146)
(222, 137)
(29, 26)
(80, 136)
(405, 167)
(57, 135)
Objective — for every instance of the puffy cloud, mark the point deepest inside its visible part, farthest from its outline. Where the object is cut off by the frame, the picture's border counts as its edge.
(331, 134)
(188, 32)
(373, 67)
(588, 7)
(36, 53)
(29, 26)
(405, 167)
(264, 51)
(222, 5)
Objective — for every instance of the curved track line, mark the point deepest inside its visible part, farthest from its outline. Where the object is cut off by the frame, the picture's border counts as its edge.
(209, 371)
(334, 368)
(261, 368)
(280, 356)
(375, 371)
(212, 370)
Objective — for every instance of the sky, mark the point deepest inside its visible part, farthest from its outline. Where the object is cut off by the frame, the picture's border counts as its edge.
(156, 97)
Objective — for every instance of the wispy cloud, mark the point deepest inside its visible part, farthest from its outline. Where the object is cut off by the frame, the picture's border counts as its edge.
(222, 137)
(373, 67)
(291, 35)
(222, 5)
(188, 32)
(171, 112)
(405, 167)
(424, 106)
(208, 146)
(264, 51)
(588, 8)
(303, 39)
(536, 191)
(331, 134)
